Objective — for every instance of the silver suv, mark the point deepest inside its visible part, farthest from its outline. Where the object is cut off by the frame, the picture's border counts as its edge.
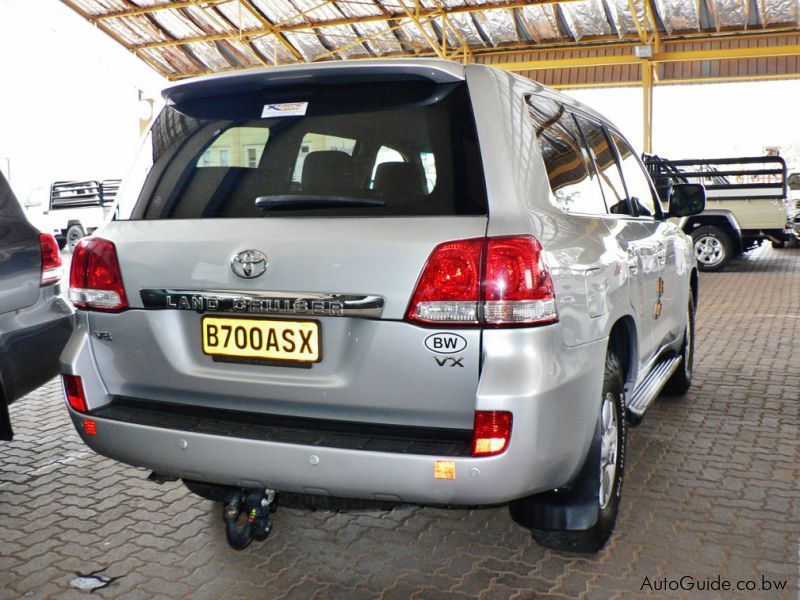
(396, 281)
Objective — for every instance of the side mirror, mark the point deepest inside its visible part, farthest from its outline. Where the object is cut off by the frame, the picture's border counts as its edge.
(687, 199)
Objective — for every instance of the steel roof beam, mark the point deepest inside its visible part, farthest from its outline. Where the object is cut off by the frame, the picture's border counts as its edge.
(144, 10)
(661, 57)
(248, 6)
(280, 28)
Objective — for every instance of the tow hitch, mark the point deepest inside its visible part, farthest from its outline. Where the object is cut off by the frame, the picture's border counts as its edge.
(255, 505)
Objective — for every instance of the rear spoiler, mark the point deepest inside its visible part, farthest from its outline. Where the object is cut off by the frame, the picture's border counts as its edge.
(438, 71)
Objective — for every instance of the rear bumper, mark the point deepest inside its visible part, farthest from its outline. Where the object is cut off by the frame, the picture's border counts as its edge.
(552, 391)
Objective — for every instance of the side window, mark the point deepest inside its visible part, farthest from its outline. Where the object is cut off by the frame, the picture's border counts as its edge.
(639, 190)
(607, 167)
(236, 147)
(568, 165)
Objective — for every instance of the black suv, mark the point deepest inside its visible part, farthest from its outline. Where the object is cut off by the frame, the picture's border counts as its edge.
(35, 321)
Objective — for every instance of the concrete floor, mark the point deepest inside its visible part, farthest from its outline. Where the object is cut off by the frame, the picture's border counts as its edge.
(712, 489)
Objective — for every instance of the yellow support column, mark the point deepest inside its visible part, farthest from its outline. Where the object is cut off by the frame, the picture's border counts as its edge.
(146, 105)
(647, 105)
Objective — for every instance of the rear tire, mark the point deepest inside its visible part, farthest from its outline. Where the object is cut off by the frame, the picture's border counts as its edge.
(74, 234)
(602, 473)
(712, 247)
(681, 380)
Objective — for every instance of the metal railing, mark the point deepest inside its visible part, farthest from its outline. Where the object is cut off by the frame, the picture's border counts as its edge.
(762, 177)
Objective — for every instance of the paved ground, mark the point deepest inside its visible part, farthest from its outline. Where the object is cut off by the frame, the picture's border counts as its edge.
(712, 489)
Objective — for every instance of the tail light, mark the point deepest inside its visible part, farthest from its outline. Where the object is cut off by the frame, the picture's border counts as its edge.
(51, 260)
(95, 280)
(491, 432)
(449, 287)
(73, 390)
(494, 282)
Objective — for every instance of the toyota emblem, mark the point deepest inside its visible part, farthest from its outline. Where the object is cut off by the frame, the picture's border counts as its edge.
(249, 263)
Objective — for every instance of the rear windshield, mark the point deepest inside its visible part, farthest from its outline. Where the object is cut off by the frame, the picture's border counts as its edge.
(388, 149)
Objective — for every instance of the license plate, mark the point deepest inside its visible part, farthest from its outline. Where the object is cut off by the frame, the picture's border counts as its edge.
(261, 339)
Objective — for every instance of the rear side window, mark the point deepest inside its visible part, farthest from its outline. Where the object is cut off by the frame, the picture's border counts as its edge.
(568, 165)
(637, 183)
(607, 167)
(388, 149)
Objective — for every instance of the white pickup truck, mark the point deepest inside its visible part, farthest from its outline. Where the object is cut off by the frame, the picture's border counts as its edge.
(746, 203)
(76, 208)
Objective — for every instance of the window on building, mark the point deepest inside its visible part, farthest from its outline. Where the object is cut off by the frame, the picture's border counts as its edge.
(236, 147)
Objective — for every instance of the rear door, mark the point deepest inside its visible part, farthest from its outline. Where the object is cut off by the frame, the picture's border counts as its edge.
(20, 254)
(635, 235)
(667, 292)
(300, 220)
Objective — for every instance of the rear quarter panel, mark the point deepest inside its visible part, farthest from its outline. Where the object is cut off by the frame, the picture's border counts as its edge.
(588, 267)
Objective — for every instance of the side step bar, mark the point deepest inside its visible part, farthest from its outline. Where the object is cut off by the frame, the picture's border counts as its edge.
(647, 391)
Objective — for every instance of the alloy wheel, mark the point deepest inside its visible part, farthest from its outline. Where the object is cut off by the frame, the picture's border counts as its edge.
(608, 449)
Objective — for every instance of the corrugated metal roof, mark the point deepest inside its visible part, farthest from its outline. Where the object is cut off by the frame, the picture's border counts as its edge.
(182, 38)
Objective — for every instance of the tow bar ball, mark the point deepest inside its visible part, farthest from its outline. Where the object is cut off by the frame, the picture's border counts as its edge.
(253, 507)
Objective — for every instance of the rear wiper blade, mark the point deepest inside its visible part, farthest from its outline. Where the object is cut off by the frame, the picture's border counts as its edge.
(301, 201)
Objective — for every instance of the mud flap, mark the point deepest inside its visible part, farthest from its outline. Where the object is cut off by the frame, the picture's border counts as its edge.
(572, 508)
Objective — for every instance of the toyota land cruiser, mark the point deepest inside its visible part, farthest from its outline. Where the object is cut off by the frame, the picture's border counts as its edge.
(406, 281)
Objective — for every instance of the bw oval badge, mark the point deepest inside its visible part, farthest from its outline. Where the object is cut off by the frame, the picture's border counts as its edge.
(445, 343)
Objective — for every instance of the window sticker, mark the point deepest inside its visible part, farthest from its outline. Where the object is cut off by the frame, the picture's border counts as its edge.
(285, 109)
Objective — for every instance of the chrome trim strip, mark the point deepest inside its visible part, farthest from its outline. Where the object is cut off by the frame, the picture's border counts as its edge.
(264, 303)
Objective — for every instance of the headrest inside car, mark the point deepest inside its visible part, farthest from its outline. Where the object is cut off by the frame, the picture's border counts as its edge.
(327, 172)
(398, 179)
